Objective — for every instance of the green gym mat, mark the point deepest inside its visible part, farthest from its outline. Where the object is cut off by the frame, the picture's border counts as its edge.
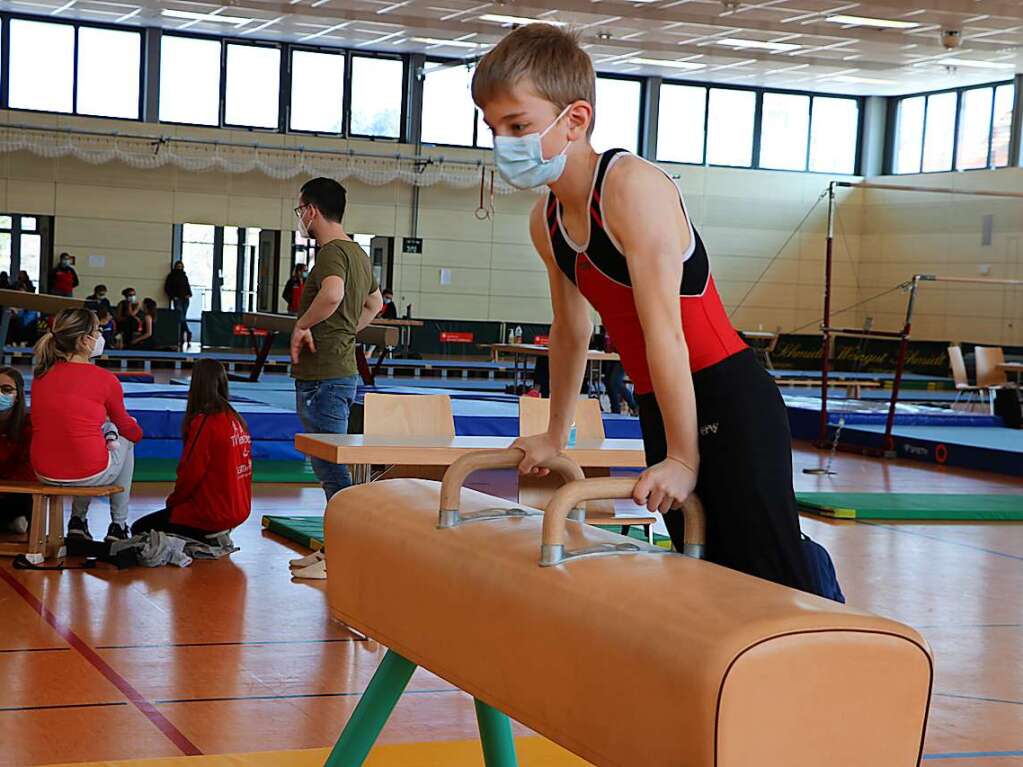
(308, 531)
(165, 470)
(913, 506)
(305, 531)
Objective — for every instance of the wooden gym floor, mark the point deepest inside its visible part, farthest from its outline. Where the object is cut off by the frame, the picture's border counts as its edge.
(231, 656)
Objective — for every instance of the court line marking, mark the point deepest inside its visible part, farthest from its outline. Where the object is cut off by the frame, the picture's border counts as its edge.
(253, 643)
(147, 709)
(978, 698)
(894, 529)
(54, 706)
(35, 649)
(973, 755)
(297, 696)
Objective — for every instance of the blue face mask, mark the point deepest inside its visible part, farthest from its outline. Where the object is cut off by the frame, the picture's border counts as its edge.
(520, 158)
(7, 402)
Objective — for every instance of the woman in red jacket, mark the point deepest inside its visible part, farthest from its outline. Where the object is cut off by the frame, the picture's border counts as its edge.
(213, 491)
(15, 440)
(82, 436)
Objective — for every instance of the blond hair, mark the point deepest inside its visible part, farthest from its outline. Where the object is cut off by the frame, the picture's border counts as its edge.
(62, 343)
(549, 57)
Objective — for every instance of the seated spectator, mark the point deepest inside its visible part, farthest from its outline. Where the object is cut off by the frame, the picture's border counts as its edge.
(82, 436)
(127, 317)
(5, 281)
(145, 338)
(98, 300)
(213, 491)
(24, 282)
(15, 442)
(106, 326)
(389, 311)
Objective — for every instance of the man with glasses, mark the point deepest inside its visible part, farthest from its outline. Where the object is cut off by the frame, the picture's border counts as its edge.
(340, 298)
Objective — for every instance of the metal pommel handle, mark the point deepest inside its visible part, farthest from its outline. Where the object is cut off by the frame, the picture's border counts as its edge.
(459, 471)
(552, 550)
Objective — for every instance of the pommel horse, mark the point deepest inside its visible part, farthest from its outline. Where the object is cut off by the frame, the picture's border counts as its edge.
(623, 653)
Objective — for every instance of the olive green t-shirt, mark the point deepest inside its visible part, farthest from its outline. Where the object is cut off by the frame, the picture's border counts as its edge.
(335, 336)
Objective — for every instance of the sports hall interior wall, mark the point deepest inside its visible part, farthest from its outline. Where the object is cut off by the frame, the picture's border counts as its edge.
(747, 218)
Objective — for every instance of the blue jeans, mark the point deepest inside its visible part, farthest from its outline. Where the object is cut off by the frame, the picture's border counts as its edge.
(323, 408)
(181, 305)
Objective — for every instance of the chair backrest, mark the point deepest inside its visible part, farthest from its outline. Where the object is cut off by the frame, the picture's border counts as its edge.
(534, 412)
(955, 359)
(988, 360)
(408, 415)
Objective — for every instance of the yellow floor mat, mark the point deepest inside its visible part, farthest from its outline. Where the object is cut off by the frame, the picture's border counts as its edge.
(534, 752)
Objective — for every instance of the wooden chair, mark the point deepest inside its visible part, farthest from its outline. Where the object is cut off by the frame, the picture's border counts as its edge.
(962, 382)
(46, 528)
(589, 425)
(409, 415)
(989, 372)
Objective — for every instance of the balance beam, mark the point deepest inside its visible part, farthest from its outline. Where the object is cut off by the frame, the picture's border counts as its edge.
(620, 652)
(272, 324)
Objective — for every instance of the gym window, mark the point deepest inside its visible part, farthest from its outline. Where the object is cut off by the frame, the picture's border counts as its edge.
(252, 75)
(619, 104)
(378, 86)
(449, 114)
(317, 92)
(190, 80)
(961, 129)
(65, 68)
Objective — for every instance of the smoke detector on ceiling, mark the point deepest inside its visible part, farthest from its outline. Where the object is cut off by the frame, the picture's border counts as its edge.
(603, 35)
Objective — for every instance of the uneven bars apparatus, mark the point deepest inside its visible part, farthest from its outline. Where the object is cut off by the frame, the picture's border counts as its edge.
(827, 331)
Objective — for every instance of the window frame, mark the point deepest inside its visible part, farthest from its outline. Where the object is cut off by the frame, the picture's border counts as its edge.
(641, 116)
(223, 79)
(281, 89)
(890, 148)
(758, 114)
(5, 63)
(286, 89)
(706, 115)
(349, 89)
(475, 128)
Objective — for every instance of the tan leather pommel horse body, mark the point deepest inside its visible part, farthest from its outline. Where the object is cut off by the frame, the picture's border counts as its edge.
(634, 658)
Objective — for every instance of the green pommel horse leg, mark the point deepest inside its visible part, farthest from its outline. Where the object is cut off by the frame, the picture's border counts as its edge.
(379, 700)
(495, 736)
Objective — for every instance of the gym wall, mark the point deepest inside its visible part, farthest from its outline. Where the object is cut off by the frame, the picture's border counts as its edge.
(904, 233)
(125, 215)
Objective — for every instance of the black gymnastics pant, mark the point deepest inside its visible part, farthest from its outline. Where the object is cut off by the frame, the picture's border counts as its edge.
(745, 478)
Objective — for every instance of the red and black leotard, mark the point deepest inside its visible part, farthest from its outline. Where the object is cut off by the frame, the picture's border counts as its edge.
(745, 474)
(601, 273)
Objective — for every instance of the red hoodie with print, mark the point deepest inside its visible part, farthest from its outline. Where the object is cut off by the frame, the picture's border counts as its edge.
(213, 491)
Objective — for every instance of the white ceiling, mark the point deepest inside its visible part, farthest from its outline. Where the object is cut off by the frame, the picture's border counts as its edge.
(829, 57)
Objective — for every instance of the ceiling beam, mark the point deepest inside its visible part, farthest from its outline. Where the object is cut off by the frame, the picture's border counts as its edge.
(1006, 9)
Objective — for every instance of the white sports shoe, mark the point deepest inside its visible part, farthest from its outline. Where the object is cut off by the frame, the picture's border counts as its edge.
(312, 559)
(316, 572)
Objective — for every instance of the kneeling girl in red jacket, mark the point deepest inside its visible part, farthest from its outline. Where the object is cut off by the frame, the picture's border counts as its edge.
(213, 491)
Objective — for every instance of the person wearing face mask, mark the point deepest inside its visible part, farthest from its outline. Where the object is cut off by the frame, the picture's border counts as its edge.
(15, 446)
(613, 231)
(340, 298)
(390, 310)
(179, 291)
(293, 289)
(128, 317)
(82, 435)
(98, 300)
(63, 277)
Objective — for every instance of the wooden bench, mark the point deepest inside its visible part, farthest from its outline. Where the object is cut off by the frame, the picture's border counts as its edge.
(46, 527)
(853, 386)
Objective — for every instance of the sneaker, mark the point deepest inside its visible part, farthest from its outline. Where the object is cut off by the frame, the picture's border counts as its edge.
(117, 532)
(78, 527)
(314, 558)
(315, 572)
(18, 525)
